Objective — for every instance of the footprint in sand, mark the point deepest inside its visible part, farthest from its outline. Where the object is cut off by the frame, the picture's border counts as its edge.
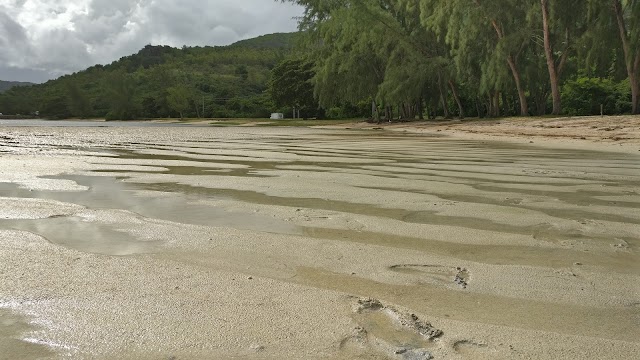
(435, 274)
(470, 349)
(386, 330)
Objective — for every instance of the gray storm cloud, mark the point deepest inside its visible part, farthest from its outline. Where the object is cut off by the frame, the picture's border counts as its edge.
(43, 39)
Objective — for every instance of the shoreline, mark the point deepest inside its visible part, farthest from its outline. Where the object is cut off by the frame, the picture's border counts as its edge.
(612, 133)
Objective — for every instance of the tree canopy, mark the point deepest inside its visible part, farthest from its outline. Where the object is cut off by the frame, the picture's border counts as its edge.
(488, 57)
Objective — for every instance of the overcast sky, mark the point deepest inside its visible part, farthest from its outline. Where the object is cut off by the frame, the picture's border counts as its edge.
(43, 39)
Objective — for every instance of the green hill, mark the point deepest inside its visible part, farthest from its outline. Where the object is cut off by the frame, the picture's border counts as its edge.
(161, 81)
(6, 85)
(269, 41)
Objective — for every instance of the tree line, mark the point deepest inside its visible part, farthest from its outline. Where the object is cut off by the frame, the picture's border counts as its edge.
(410, 58)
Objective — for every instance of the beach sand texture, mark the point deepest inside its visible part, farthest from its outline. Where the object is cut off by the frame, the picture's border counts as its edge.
(295, 243)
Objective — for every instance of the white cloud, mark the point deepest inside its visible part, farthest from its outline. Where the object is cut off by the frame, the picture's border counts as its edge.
(48, 38)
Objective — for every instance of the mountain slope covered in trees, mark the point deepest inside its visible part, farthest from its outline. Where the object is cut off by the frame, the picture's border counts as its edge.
(161, 81)
(6, 85)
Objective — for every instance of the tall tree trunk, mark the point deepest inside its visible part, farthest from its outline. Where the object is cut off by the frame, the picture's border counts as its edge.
(524, 106)
(506, 111)
(375, 115)
(548, 51)
(443, 97)
(420, 109)
(445, 108)
(478, 109)
(433, 108)
(454, 91)
(635, 92)
(632, 60)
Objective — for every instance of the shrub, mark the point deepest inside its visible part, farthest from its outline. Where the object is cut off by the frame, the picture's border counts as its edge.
(585, 96)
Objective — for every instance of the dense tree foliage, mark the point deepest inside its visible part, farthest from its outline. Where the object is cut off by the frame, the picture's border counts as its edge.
(6, 85)
(484, 57)
(290, 87)
(160, 81)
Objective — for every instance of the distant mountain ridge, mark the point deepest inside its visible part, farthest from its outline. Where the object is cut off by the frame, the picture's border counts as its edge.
(6, 85)
(162, 81)
(277, 40)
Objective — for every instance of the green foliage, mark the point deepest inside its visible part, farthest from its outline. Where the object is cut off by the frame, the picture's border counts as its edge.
(230, 80)
(56, 108)
(6, 85)
(121, 90)
(483, 57)
(585, 95)
(179, 99)
(290, 86)
(78, 102)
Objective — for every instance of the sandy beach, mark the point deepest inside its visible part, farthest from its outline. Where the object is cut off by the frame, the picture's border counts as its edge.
(507, 239)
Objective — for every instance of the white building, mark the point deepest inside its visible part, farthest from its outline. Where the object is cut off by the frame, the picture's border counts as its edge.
(277, 116)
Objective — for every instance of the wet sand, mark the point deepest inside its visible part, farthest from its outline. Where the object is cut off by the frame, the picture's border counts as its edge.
(270, 243)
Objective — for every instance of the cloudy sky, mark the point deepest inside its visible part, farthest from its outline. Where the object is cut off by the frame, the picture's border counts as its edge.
(43, 39)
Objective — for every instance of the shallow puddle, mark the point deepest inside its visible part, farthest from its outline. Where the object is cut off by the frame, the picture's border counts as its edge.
(106, 193)
(14, 343)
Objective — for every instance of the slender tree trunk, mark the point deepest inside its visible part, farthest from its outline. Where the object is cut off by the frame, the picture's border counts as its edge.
(632, 61)
(541, 100)
(375, 115)
(553, 73)
(635, 94)
(454, 91)
(433, 108)
(443, 102)
(420, 109)
(524, 105)
(443, 97)
(505, 104)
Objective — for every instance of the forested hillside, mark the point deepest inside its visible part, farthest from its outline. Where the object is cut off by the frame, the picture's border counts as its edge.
(476, 57)
(6, 85)
(160, 81)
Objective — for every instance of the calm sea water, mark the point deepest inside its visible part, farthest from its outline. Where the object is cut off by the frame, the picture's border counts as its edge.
(83, 123)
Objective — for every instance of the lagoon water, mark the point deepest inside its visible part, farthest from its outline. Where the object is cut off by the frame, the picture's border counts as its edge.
(82, 123)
